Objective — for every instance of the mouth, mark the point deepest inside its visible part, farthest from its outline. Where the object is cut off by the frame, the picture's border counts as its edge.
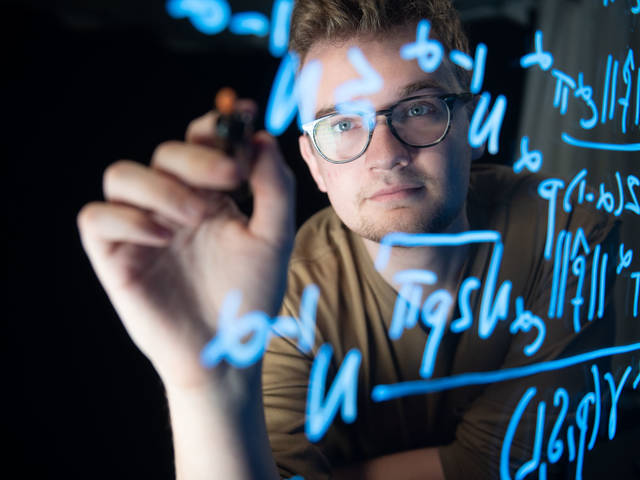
(398, 192)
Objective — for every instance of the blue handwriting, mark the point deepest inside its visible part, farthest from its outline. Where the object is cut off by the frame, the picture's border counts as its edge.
(567, 86)
(576, 193)
(590, 402)
(343, 392)
(531, 160)
(567, 252)
(249, 23)
(614, 147)
(477, 64)
(369, 82)
(207, 16)
(381, 393)
(428, 52)
(228, 345)
(541, 58)
(626, 256)
(212, 17)
(478, 132)
(636, 276)
(494, 305)
(290, 94)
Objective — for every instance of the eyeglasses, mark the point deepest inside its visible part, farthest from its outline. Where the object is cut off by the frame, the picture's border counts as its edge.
(420, 122)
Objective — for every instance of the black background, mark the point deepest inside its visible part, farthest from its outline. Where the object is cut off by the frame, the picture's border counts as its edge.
(78, 94)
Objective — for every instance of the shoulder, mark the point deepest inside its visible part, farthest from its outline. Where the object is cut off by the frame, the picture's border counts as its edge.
(323, 252)
(318, 237)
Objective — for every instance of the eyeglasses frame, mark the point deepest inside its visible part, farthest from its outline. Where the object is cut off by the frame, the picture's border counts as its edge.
(449, 100)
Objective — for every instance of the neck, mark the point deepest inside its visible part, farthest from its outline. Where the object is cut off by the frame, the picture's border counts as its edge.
(445, 262)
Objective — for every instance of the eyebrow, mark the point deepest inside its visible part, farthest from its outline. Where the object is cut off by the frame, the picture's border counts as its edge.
(402, 92)
(425, 84)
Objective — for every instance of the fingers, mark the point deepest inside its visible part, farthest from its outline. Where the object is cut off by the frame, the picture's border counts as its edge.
(199, 166)
(144, 205)
(170, 191)
(273, 187)
(133, 184)
(107, 223)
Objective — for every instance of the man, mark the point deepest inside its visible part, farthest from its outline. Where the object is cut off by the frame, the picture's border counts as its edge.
(169, 244)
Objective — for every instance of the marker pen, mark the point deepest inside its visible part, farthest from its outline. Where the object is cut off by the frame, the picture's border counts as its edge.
(235, 124)
(233, 131)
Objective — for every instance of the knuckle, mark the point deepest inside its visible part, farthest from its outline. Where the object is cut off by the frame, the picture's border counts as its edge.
(222, 169)
(163, 150)
(138, 220)
(167, 191)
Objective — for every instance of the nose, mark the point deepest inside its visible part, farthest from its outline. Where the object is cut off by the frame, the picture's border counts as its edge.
(385, 151)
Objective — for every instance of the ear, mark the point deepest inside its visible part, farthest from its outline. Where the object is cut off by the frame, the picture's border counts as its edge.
(310, 158)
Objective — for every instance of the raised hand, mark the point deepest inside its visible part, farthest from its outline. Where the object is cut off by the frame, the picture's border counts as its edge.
(169, 243)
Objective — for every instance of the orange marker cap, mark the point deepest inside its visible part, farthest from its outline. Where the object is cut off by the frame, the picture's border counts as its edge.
(225, 100)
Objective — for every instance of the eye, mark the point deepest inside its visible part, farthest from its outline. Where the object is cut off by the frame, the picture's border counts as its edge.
(420, 109)
(342, 126)
(345, 124)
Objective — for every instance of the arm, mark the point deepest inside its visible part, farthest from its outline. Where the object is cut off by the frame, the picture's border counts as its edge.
(168, 244)
(222, 433)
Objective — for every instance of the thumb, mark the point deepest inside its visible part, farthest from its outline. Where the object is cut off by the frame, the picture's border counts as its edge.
(273, 187)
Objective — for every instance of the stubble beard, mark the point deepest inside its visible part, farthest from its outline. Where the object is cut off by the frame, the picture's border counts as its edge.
(438, 216)
(437, 221)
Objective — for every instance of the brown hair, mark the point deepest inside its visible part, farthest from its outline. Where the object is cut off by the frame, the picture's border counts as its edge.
(337, 20)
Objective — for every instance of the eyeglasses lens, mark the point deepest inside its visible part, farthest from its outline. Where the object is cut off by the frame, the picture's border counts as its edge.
(418, 122)
(342, 137)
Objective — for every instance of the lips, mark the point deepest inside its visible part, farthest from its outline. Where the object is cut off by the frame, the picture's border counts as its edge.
(396, 192)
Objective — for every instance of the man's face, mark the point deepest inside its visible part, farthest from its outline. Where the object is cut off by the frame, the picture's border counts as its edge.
(393, 187)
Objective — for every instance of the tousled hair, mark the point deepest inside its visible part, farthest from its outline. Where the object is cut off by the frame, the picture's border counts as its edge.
(339, 20)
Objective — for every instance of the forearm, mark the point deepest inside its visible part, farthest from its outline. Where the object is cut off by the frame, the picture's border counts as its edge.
(219, 431)
(422, 464)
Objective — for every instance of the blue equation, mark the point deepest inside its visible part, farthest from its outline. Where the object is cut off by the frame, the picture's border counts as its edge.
(214, 16)
(494, 303)
(342, 395)
(553, 190)
(616, 101)
(571, 436)
(568, 258)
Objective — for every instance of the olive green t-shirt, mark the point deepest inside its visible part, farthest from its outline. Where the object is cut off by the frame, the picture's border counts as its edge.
(355, 309)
